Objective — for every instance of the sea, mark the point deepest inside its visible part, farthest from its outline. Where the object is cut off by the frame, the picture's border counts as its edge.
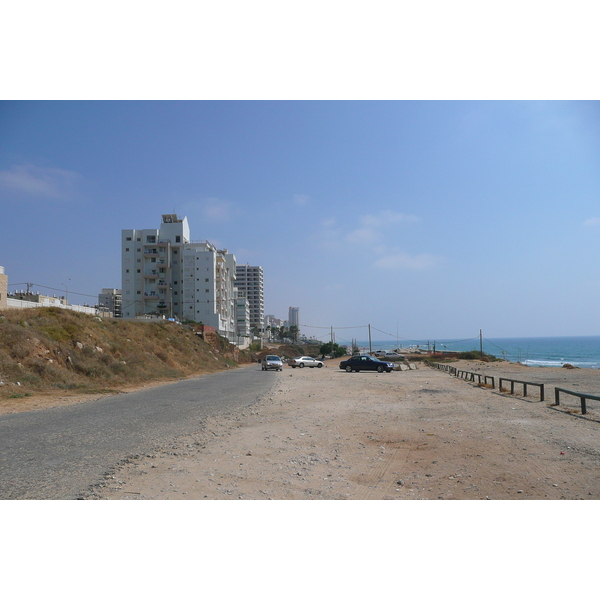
(579, 351)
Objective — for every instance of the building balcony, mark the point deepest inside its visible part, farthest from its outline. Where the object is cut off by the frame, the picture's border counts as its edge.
(150, 296)
(150, 252)
(151, 275)
(162, 284)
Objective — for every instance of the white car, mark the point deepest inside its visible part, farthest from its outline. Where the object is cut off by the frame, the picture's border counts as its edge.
(305, 361)
(393, 355)
(272, 362)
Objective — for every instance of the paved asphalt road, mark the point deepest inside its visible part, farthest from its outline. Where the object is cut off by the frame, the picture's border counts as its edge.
(60, 452)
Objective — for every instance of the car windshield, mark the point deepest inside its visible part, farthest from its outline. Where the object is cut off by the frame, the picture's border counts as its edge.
(272, 357)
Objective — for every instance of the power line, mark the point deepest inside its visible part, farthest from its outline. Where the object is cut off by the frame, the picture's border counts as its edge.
(319, 327)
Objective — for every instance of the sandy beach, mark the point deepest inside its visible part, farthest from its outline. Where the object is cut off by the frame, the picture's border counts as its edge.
(419, 434)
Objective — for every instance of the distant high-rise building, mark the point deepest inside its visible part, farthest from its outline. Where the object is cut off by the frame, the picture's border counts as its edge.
(294, 316)
(242, 313)
(164, 273)
(250, 280)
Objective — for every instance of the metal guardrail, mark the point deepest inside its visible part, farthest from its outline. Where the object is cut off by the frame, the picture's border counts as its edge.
(467, 375)
(523, 383)
(582, 398)
(470, 376)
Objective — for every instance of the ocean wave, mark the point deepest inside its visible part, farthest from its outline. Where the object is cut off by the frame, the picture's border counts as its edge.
(560, 363)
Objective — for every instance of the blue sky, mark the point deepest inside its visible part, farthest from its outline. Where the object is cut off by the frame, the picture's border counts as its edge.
(426, 219)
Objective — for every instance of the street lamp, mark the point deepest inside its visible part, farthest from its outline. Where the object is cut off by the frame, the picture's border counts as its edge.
(67, 294)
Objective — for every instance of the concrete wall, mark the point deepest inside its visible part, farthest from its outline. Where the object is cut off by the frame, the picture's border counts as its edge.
(14, 303)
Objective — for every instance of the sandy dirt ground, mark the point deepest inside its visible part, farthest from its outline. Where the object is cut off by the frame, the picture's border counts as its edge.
(419, 434)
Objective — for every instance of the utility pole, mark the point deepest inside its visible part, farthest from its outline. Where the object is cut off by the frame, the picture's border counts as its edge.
(370, 347)
(480, 344)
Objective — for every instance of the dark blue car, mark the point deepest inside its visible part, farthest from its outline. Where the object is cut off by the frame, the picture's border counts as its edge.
(366, 363)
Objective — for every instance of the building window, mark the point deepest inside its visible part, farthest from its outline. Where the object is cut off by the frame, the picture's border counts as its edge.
(178, 239)
(126, 249)
(128, 239)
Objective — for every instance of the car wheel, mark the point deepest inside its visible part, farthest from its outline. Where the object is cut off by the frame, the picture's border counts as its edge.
(348, 369)
(380, 369)
(320, 365)
(301, 365)
(293, 366)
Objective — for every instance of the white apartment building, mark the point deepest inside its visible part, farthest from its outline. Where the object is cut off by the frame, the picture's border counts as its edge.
(164, 273)
(250, 280)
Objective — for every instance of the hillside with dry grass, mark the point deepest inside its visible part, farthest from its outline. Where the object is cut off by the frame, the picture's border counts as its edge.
(46, 350)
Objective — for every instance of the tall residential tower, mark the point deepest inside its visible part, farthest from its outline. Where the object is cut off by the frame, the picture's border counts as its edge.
(250, 280)
(294, 316)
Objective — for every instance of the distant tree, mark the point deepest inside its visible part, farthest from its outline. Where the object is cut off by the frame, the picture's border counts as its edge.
(337, 350)
(294, 332)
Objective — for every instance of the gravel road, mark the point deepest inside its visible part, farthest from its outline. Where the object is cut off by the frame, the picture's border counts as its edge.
(61, 453)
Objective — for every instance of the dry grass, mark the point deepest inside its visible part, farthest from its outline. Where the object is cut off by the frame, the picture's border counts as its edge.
(51, 348)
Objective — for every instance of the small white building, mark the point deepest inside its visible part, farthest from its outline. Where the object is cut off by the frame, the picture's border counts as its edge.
(110, 299)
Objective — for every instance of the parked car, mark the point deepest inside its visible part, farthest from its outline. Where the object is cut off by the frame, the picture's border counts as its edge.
(272, 362)
(366, 363)
(305, 361)
(394, 355)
